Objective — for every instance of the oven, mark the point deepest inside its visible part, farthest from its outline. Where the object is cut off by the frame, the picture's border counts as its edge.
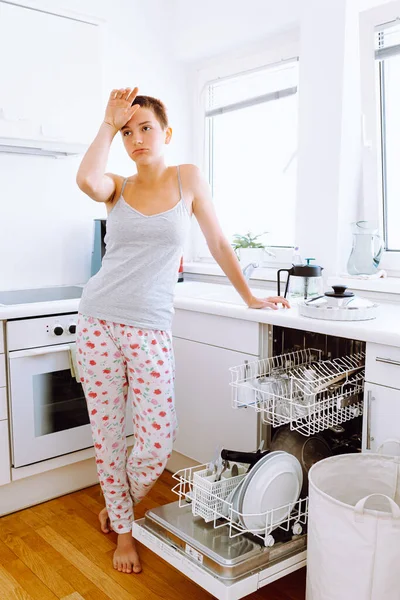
(48, 410)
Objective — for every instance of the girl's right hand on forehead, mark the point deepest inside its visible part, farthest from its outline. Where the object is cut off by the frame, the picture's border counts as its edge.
(119, 109)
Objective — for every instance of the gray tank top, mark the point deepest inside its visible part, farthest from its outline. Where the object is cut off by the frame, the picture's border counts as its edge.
(135, 285)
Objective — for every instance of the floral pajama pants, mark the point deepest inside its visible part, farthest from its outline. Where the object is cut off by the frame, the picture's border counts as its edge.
(116, 363)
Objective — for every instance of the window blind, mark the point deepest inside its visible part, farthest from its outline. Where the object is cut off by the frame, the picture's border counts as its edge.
(387, 40)
(251, 87)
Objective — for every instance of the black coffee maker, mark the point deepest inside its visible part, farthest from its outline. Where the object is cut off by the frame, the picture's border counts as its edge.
(303, 281)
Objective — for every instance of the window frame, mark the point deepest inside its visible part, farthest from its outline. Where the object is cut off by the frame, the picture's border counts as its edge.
(372, 164)
(278, 49)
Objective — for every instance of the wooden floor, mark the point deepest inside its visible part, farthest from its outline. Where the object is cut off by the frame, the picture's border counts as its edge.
(56, 550)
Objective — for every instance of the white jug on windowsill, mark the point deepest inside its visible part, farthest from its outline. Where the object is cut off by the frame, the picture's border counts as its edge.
(367, 249)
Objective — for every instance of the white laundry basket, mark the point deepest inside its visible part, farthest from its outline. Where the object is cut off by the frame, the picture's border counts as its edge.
(354, 528)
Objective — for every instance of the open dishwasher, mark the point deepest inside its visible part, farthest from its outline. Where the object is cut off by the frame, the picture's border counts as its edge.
(308, 394)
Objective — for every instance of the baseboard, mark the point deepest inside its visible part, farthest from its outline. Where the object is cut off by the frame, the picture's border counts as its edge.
(179, 461)
(42, 487)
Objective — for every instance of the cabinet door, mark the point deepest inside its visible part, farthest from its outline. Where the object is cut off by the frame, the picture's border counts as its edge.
(3, 403)
(4, 454)
(3, 380)
(381, 416)
(203, 402)
(50, 74)
(382, 365)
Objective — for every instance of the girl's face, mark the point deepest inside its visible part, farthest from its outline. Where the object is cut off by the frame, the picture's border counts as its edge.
(144, 138)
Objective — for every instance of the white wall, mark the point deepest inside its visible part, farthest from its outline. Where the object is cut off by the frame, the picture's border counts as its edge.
(329, 165)
(46, 223)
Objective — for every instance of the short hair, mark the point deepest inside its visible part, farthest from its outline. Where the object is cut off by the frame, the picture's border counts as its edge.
(156, 106)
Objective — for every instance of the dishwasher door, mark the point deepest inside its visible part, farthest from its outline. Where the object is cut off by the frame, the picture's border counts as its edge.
(227, 567)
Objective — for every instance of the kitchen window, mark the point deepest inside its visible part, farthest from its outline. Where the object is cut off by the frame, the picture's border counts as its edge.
(250, 145)
(380, 94)
(387, 77)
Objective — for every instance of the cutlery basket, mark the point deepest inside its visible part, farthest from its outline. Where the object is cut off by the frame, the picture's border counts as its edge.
(209, 495)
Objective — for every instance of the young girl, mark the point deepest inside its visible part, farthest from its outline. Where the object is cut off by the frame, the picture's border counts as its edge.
(124, 338)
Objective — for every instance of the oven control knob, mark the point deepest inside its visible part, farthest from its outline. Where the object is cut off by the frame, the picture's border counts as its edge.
(58, 330)
(72, 328)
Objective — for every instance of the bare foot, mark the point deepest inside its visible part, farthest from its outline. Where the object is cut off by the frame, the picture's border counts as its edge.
(104, 521)
(126, 558)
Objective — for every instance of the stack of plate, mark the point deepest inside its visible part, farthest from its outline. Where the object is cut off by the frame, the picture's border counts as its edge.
(265, 498)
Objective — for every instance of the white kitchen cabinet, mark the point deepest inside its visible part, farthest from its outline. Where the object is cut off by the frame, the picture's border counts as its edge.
(1, 338)
(3, 403)
(3, 389)
(3, 381)
(58, 59)
(225, 332)
(382, 365)
(205, 347)
(381, 416)
(5, 467)
(381, 420)
(203, 402)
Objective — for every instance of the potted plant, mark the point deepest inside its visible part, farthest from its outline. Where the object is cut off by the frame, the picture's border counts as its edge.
(248, 248)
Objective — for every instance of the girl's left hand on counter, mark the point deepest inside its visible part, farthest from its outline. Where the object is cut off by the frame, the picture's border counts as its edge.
(270, 302)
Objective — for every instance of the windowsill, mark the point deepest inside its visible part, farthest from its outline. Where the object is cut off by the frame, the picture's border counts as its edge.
(385, 285)
(200, 268)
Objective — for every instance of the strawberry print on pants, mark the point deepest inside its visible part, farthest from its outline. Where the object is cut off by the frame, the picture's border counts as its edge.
(117, 362)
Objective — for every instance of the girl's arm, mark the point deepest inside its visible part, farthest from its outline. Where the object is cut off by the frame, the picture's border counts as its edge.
(91, 177)
(219, 246)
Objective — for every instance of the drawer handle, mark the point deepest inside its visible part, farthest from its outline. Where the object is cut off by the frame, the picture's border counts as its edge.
(369, 400)
(388, 361)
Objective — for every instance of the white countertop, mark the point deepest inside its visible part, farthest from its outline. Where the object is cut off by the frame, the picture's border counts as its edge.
(202, 297)
(223, 300)
(37, 309)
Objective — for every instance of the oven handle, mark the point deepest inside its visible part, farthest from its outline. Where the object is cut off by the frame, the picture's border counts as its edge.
(39, 351)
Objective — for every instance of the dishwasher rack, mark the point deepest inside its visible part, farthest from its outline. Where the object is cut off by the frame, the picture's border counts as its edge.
(301, 389)
(210, 502)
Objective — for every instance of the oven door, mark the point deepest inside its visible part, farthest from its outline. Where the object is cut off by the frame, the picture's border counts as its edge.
(48, 407)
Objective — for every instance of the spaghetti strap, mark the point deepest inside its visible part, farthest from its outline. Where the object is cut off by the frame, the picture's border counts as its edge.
(180, 183)
(123, 186)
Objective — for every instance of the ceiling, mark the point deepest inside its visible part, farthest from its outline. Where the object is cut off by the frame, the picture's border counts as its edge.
(201, 29)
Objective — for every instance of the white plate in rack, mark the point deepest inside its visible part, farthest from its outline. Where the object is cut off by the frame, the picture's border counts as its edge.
(233, 498)
(274, 483)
